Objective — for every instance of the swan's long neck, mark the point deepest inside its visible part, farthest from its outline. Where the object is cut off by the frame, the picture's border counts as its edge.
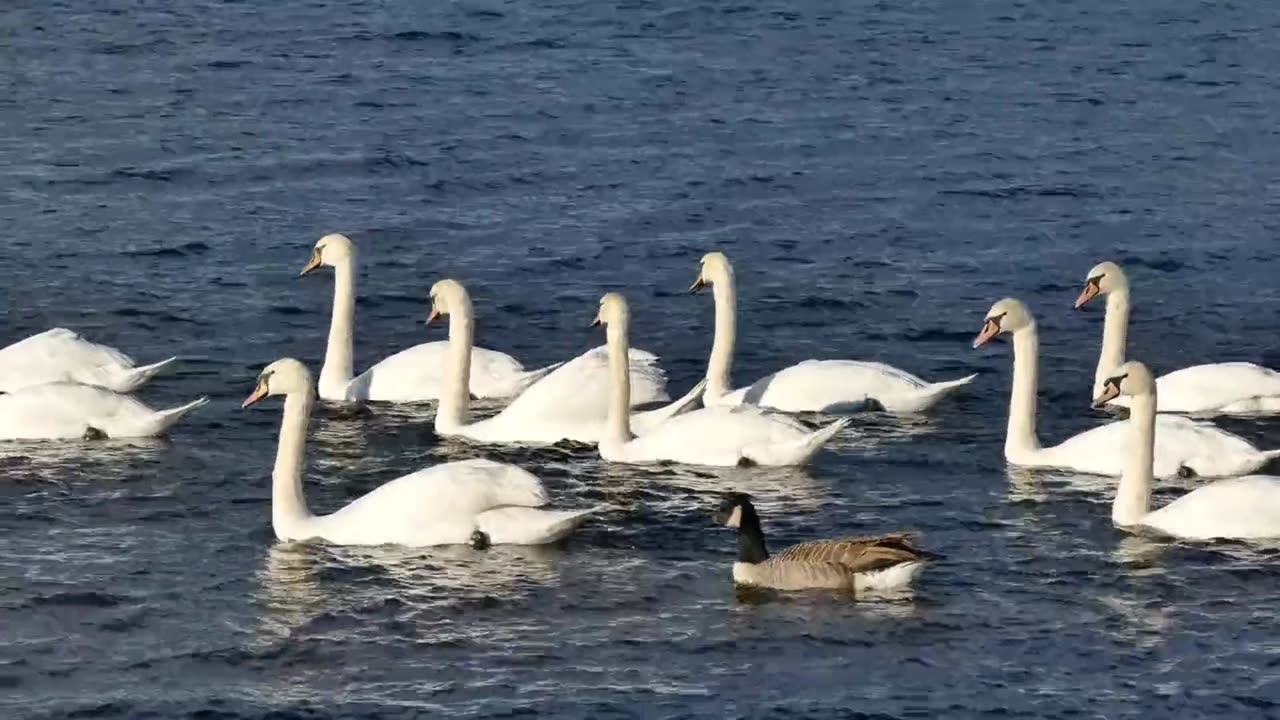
(1133, 497)
(1115, 334)
(339, 363)
(456, 394)
(725, 292)
(617, 430)
(1021, 435)
(288, 506)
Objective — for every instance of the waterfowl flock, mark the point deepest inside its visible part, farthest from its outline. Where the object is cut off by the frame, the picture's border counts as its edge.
(58, 386)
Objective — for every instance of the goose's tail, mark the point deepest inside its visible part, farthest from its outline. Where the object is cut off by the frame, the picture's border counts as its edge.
(930, 395)
(165, 419)
(130, 380)
(647, 420)
(798, 453)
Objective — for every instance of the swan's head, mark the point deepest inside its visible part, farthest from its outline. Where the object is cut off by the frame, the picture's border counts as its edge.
(613, 309)
(1007, 316)
(714, 268)
(282, 377)
(1103, 278)
(448, 296)
(330, 250)
(1132, 379)
(734, 509)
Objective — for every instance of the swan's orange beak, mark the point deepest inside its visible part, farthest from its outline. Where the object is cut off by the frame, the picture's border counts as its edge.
(431, 317)
(1090, 291)
(1110, 392)
(697, 285)
(258, 393)
(990, 329)
(312, 264)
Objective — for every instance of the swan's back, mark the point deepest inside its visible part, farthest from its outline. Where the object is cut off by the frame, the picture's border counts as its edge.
(716, 436)
(1180, 442)
(577, 393)
(1243, 507)
(1209, 387)
(831, 385)
(417, 373)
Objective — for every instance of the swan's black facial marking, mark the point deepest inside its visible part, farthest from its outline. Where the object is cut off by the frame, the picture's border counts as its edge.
(480, 540)
(1114, 382)
(1096, 281)
(265, 380)
(996, 320)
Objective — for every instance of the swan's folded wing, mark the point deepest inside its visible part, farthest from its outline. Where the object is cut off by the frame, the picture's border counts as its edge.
(858, 554)
(57, 355)
(578, 391)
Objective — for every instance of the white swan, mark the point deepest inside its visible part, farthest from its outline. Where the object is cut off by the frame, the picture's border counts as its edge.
(1182, 445)
(711, 436)
(411, 375)
(60, 355)
(73, 411)
(473, 501)
(1215, 389)
(812, 385)
(569, 404)
(1242, 507)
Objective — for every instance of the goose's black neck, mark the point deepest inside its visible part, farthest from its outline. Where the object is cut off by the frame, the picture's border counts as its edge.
(751, 547)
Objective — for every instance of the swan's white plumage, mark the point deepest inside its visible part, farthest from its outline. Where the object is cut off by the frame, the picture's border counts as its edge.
(440, 505)
(1245, 507)
(414, 374)
(1228, 388)
(1207, 450)
(65, 411)
(710, 436)
(812, 385)
(61, 355)
(570, 403)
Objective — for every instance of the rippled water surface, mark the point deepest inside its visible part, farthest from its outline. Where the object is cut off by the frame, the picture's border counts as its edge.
(880, 172)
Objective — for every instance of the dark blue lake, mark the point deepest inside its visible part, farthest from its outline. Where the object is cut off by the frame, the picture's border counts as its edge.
(880, 173)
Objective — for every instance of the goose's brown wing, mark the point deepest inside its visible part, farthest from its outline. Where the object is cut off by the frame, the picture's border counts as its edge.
(858, 554)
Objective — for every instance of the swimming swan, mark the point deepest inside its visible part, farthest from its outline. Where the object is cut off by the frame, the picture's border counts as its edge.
(812, 385)
(854, 564)
(1212, 389)
(571, 403)
(477, 502)
(411, 375)
(73, 411)
(1242, 507)
(711, 436)
(60, 355)
(1182, 445)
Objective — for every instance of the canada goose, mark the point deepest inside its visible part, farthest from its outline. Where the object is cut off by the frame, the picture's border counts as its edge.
(856, 564)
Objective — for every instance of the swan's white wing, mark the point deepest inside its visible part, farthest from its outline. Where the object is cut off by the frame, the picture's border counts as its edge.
(1245, 507)
(58, 355)
(416, 374)
(433, 506)
(1204, 388)
(576, 394)
(1180, 442)
(514, 525)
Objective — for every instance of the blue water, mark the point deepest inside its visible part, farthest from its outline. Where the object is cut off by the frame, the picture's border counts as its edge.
(880, 172)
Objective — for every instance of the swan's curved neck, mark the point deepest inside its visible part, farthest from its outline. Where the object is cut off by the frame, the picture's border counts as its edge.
(1133, 496)
(617, 429)
(288, 506)
(1021, 435)
(725, 292)
(339, 362)
(1115, 334)
(455, 396)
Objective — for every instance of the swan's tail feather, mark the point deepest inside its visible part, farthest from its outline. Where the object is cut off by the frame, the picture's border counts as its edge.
(131, 380)
(529, 377)
(165, 419)
(799, 453)
(647, 420)
(514, 525)
(931, 394)
(1271, 454)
